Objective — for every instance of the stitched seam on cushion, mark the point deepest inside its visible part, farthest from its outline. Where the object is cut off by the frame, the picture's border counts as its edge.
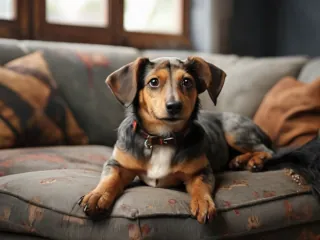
(38, 205)
(142, 215)
(265, 200)
(72, 159)
(240, 233)
(58, 211)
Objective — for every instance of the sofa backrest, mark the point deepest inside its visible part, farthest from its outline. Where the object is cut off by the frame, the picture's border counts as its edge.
(80, 71)
(248, 78)
(310, 71)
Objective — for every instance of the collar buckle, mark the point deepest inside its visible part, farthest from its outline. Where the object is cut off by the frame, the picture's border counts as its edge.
(166, 140)
(148, 143)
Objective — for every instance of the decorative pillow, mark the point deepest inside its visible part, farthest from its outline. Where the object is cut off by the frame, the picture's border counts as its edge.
(290, 112)
(32, 112)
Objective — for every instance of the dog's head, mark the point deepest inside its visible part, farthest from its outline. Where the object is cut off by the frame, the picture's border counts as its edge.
(165, 90)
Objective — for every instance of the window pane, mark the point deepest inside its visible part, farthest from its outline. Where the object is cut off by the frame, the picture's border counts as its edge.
(7, 11)
(154, 16)
(77, 12)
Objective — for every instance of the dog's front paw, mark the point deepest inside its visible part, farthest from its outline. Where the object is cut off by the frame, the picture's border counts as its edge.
(252, 161)
(96, 202)
(256, 163)
(203, 208)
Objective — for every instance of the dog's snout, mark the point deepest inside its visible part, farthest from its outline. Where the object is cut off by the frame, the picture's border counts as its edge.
(174, 107)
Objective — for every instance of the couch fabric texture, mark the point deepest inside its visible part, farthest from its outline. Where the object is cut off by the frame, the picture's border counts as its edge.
(39, 186)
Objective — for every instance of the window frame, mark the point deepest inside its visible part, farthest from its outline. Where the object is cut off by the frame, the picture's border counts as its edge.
(69, 33)
(19, 27)
(30, 23)
(158, 40)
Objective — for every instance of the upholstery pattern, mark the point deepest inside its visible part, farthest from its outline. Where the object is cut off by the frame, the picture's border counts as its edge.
(15, 161)
(80, 71)
(32, 112)
(246, 205)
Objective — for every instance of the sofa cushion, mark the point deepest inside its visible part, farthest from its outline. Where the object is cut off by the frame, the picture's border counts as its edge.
(248, 203)
(15, 161)
(290, 112)
(248, 78)
(80, 71)
(310, 71)
(10, 50)
(32, 112)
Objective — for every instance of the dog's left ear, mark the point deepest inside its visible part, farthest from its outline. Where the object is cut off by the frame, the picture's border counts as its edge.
(124, 81)
(209, 76)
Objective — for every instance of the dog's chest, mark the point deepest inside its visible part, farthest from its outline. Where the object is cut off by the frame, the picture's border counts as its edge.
(159, 165)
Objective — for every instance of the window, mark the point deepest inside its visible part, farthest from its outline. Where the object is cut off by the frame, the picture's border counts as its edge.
(154, 16)
(7, 11)
(91, 13)
(136, 23)
(14, 19)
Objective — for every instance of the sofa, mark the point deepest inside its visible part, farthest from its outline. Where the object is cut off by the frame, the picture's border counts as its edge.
(60, 127)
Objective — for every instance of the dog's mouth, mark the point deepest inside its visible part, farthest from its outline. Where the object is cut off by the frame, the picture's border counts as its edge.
(171, 119)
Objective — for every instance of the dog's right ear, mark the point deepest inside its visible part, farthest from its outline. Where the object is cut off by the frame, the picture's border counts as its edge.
(124, 81)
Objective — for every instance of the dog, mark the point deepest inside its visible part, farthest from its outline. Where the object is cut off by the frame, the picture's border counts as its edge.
(166, 140)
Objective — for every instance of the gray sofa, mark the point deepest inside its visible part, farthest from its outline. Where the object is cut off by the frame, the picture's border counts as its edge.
(40, 185)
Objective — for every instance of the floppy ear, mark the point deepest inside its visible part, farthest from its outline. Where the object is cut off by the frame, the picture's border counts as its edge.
(123, 82)
(210, 77)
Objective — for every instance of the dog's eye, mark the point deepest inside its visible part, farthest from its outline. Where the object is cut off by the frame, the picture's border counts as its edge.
(186, 82)
(154, 82)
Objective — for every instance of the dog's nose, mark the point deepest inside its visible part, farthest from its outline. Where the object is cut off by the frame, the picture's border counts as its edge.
(173, 107)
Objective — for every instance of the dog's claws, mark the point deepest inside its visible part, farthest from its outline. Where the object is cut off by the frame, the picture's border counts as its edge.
(205, 218)
(86, 208)
(98, 209)
(255, 168)
(80, 200)
(237, 163)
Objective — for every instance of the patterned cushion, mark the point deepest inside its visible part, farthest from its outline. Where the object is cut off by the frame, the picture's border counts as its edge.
(15, 161)
(32, 112)
(44, 204)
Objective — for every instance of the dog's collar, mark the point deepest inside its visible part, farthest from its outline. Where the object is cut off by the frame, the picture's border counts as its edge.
(150, 140)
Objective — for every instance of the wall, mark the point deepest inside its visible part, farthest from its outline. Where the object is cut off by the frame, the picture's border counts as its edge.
(298, 27)
(210, 25)
(275, 27)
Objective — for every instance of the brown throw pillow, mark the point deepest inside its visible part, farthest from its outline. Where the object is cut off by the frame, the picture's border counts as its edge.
(290, 112)
(32, 112)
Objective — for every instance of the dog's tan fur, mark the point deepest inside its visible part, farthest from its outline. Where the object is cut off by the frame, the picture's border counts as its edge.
(152, 103)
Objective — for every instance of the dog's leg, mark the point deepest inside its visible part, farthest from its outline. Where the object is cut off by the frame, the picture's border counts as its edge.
(254, 153)
(200, 187)
(113, 180)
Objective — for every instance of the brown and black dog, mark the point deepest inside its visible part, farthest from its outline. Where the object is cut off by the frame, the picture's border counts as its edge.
(166, 140)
